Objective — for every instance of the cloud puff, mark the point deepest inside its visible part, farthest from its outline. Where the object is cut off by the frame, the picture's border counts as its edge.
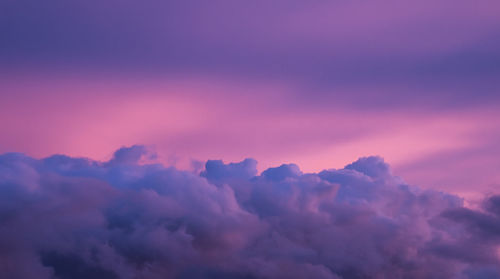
(63, 217)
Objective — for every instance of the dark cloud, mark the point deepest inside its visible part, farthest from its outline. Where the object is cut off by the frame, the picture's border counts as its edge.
(216, 171)
(282, 172)
(63, 217)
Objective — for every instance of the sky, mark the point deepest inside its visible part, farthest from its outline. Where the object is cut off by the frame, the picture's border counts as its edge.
(249, 139)
(317, 83)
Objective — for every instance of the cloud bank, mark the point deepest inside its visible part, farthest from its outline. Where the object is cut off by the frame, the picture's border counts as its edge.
(63, 217)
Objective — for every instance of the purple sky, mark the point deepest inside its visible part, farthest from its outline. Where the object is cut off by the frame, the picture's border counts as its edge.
(318, 83)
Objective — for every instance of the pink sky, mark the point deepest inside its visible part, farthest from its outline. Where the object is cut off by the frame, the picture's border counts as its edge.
(315, 83)
(188, 119)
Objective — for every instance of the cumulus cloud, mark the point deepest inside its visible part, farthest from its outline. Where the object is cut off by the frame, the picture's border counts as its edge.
(64, 217)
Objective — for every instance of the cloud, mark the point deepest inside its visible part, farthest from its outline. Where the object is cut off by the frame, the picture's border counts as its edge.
(64, 217)
(129, 155)
(216, 170)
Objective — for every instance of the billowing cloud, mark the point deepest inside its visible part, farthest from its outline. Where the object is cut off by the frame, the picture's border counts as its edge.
(64, 217)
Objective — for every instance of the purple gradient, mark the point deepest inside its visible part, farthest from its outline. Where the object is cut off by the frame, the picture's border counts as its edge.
(290, 83)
